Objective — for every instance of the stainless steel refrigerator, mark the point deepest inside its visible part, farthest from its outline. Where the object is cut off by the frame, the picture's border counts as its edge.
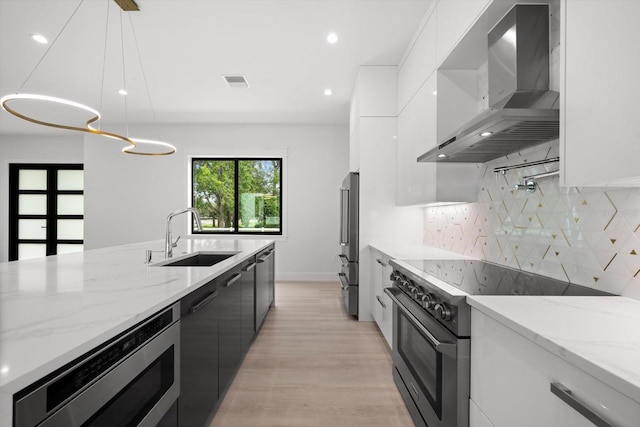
(349, 242)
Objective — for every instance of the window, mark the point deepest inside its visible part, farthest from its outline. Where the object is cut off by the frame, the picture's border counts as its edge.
(46, 210)
(238, 196)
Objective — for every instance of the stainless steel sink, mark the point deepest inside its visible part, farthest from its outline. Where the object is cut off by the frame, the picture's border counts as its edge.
(198, 259)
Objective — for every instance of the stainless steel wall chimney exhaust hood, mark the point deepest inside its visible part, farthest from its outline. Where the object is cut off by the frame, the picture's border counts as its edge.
(523, 111)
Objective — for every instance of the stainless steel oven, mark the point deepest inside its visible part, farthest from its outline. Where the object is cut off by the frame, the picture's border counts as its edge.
(133, 380)
(432, 328)
(430, 365)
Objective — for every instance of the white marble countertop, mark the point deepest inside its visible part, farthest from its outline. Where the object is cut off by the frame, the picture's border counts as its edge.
(421, 252)
(57, 308)
(415, 252)
(599, 335)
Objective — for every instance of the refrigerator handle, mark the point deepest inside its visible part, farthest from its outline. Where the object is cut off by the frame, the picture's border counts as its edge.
(344, 216)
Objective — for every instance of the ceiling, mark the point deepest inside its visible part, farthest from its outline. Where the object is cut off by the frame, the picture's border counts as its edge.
(186, 46)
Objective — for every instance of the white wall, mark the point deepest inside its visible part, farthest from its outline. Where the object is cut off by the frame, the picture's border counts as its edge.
(67, 148)
(129, 197)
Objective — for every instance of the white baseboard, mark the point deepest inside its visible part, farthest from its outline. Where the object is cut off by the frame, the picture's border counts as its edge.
(306, 277)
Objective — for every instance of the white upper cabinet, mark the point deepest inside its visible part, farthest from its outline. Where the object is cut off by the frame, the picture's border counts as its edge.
(454, 18)
(419, 62)
(426, 183)
(423, 115)
(375, 92)
(374, 95)
(600, 139)
(416, 130)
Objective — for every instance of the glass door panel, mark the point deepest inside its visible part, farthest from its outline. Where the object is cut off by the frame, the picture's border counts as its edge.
(70, 229)
(32, 229)
(32, 204)
(70, 204)
(71, 180)
(31, 250)
(33, 179)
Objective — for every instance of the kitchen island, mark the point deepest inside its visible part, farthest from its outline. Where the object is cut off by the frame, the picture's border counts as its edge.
(55, 309)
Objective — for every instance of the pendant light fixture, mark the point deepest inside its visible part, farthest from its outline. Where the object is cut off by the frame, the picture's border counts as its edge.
(137, 146)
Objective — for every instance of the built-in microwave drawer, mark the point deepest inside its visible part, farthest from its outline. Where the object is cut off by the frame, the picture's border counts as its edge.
(350, 270)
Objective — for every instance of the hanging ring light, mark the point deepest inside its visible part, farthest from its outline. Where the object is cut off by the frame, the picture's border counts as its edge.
(132, 148)
(135, 149)
(35, 97)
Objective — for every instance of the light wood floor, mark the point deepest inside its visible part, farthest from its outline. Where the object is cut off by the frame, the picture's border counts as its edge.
(312, 365)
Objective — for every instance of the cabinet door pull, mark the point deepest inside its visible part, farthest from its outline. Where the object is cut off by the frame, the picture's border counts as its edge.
(232, 280)
(264, 257)
(379, 261)
(249, 267)
(567, 397)
(204, 301)
(381, 302)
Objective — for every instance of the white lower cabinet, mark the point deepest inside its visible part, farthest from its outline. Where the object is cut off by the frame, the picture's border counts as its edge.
(511, 379)
(380, 302)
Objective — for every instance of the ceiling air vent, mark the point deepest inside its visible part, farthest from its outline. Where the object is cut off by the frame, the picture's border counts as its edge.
(236, 81)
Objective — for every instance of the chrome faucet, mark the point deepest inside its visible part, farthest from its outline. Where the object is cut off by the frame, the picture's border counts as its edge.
(169, 244)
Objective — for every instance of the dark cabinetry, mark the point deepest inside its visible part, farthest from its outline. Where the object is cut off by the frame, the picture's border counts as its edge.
(265, 283)
(248, 302)
(219, 322)
(199, 355)
(230, 325)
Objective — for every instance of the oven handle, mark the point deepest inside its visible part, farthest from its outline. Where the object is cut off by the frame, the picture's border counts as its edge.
(445, 348)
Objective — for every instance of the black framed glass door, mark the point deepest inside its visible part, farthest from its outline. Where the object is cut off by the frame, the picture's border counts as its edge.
(46, 209)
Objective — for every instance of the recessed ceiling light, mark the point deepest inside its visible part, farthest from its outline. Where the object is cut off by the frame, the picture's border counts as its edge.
(328, 92)
(435, 92)
(39, 38)
(123, 92)
(332, 38)
(442, 156)
(486, 133)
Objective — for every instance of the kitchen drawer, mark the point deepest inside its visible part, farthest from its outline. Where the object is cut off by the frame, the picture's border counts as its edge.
(381, 305)
(511, 379)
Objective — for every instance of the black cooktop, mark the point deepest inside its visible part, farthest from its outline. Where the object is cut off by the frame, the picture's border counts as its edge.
(484, 278)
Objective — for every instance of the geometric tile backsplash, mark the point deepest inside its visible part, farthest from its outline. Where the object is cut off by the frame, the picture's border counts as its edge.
(586, 236)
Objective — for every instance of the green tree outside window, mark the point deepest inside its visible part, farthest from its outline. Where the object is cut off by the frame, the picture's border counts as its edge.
(238, 195)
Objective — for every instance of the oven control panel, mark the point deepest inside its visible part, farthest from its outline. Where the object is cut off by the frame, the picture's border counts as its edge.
(432, 300)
